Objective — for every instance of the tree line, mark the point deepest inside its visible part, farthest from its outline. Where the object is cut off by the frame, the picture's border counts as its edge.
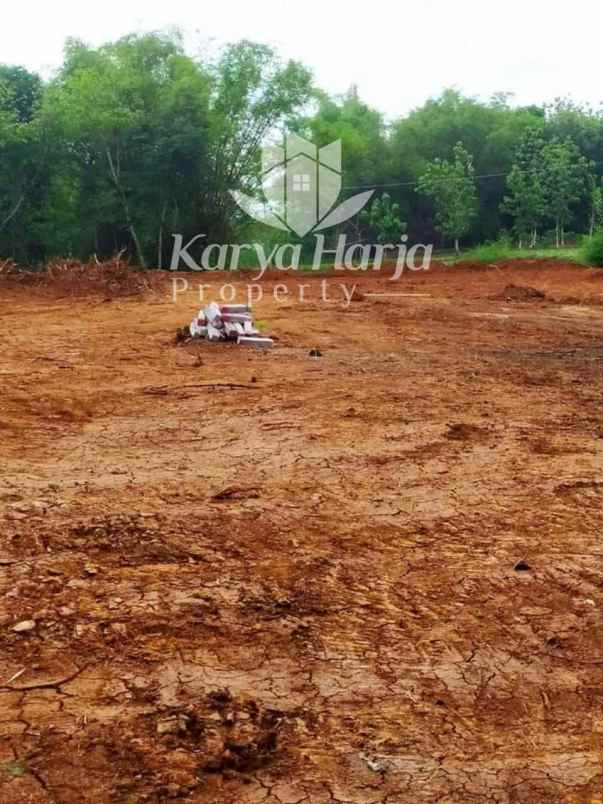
(135, 140)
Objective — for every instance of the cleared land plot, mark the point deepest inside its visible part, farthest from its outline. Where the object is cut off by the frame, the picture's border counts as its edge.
(376, 576)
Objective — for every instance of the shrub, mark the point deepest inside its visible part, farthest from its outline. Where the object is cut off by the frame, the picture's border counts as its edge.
(592, 250)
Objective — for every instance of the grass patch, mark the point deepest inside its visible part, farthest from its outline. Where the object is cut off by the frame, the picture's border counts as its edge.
(591, 252)
(15, 769)
(488, 252)
(496, 252)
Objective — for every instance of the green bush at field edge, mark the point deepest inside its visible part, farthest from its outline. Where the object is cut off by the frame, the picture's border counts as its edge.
(591, 252)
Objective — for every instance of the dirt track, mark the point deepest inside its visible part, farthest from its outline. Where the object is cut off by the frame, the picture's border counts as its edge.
(373, 577)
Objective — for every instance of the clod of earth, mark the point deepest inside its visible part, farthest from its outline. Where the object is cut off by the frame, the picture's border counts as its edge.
(466, 432)
(236, 493)
(24, 626)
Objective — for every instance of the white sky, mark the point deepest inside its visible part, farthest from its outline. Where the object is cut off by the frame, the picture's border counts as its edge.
(399, 53)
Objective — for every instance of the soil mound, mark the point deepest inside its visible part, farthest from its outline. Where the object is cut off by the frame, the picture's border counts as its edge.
(520, 293)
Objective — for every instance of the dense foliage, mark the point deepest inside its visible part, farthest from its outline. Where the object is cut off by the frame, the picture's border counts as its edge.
(136, 140)
(451, 185)
(592, 250)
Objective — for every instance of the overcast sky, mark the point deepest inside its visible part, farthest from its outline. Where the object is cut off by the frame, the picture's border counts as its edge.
(399, 53)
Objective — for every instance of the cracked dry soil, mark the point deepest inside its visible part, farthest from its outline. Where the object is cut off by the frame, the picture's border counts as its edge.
(374, 577)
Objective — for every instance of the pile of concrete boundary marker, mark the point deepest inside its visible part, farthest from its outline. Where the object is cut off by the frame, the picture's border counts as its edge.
(228, 322)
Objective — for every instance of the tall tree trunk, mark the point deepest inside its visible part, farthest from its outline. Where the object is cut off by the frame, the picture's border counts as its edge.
(126, 208)
(556, 232)
(160, 238)
(12, 213)
(456, 245)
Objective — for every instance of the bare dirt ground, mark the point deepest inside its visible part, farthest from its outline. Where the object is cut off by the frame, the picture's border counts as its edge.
(371, 577)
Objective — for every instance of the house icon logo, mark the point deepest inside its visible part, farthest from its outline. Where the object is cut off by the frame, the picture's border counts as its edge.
(301, 184)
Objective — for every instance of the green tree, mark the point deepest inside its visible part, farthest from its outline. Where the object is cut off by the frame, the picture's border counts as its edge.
(383, 218)
(526, 202)
(99, 103)
(133, 120)
(20, 92)
(21, 164)
(546, 181)
(568, 120)
(566, 174)
(253, 94)
(361, 130)
(12, 140)
(135, 140)
(451, 185)
(489, 131)
(596, 205)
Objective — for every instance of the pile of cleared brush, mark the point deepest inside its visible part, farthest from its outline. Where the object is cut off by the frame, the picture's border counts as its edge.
(9, 270)
(110, 278)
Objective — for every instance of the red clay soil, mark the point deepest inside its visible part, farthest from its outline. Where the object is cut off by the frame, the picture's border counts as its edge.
(374, 576)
